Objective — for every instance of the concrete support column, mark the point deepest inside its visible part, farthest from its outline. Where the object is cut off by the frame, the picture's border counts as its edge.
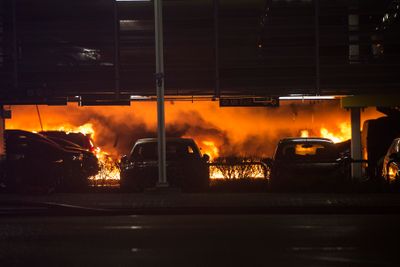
(356, 153)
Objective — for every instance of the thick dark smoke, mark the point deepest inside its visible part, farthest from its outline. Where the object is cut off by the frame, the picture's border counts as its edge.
(122, 134)
(251, 132)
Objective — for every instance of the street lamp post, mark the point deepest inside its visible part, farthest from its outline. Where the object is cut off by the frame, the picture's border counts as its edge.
(162, 172)
(159, 77)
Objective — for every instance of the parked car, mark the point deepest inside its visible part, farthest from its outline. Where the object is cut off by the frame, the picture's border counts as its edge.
(309, 164)
(391, 165)
(56, 53)
(186, 168)
(34, 161)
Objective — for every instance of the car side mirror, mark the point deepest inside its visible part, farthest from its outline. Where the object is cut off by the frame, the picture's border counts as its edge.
(206, 158)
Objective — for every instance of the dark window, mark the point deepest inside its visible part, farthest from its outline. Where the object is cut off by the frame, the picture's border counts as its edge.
(308, 151)
(148, 151)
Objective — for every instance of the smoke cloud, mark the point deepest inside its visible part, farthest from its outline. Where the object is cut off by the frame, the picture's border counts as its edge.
(233, 131)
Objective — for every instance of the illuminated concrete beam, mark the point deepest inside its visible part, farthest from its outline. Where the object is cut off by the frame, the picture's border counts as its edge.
(363, 101)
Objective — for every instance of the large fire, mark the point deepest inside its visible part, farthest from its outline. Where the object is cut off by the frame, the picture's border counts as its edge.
(337, 134)
(86, 129)
(210, 149)
(109, 171)
(219, 132)
(343, 134)
(108, 166)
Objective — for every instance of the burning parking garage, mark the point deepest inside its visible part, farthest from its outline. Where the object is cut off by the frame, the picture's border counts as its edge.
(113, 131)
(199, 132)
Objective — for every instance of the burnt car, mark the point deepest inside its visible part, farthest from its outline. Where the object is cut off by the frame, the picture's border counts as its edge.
(56, 53)
(309, 164)
(82, 140)
(186, 168)
(90, 163)
(391, 165)
(34, 161)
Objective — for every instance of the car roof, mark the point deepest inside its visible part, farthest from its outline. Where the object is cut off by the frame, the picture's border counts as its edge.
(306, 139)
(18, 131)
(169, 139)
(34, 135)
(27, 133)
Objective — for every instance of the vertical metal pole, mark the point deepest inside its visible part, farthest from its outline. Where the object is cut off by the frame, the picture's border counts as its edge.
(116, 50)
(317, 62)
(158, 21)
(217, 91)
(356, 153)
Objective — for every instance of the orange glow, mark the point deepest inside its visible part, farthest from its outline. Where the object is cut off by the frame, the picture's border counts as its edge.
(300, 150)
(304, 133)
(86, 129)
(343, 133)
(109, 170)
(210, 149)
(392, 172)
(220, 132)
(254, 171)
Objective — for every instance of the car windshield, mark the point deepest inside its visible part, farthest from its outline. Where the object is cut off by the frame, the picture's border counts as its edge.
(307, 151)
(174, 150)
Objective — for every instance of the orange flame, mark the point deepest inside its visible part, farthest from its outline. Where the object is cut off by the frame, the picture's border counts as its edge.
(236, 172)
(210, 149)
(337, 134)
(219, 131)
(343, 134)
(86, 129)
(304, 133)
(109, 170)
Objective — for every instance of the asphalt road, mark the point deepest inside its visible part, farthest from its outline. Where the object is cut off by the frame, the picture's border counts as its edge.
(200, 240)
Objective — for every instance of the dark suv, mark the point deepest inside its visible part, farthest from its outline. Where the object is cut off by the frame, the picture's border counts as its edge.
(186, 168)
(308, 164)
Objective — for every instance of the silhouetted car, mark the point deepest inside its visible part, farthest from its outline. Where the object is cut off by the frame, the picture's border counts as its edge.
(52, 53)
(308, 164)
(186, 168)
(34, 161)
(391, 165)
(90, 163)
(83, 140)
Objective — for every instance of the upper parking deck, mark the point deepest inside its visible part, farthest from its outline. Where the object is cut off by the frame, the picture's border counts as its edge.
(212, 48)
